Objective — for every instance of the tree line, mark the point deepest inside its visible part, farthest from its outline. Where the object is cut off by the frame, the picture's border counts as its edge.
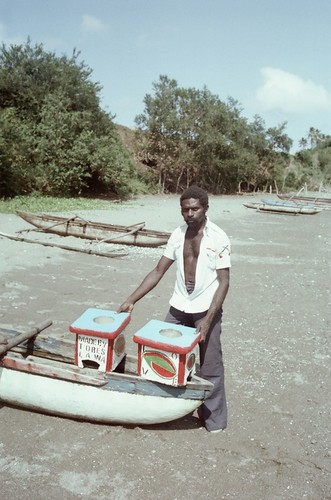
(55, 138)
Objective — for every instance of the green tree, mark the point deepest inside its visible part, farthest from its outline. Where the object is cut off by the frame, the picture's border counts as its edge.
(314, 159)
(190, 136)
(54, 137)
(16, 143)
(272, 149)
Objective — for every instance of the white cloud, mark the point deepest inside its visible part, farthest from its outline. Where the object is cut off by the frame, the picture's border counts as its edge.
(290, 93)
(92, 24)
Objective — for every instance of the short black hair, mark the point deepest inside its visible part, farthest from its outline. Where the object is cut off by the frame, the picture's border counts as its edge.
(197, 193)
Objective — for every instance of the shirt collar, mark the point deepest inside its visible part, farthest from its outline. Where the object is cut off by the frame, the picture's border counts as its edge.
(205, 229)
(207, 226)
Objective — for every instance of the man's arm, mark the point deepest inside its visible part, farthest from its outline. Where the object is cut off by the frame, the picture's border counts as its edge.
(148, 283)
(223, 277)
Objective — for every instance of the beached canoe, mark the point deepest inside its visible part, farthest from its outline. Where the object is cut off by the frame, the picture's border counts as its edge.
(283, 208)
(320, 201)
(40, 375)
(108, 233)
(287, 203)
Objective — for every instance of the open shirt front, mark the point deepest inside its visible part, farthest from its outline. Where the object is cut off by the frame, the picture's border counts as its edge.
(214, 254)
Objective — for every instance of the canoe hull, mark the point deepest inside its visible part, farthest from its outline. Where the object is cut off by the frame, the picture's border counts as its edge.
(93, 404)
(95, 231)
(282, 209)
(319, 201)
(40, 375)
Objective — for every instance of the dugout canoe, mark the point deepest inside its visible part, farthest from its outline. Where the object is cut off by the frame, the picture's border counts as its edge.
(319, 201)
(283, 208)
(76, 226)
(39, 375)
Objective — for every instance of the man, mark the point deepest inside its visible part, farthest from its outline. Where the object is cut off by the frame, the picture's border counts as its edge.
(202, 252)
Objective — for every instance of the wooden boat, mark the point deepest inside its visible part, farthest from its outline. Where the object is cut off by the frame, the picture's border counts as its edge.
(39, 375)
(97, 231)
(318, 200)
(283, 208)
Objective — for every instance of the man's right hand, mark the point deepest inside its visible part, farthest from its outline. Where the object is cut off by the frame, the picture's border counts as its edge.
(126, 307)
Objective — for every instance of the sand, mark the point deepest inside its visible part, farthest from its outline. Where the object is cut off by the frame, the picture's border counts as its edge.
(276, 333)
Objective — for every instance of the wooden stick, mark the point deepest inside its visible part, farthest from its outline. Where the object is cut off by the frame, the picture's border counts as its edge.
(64, 247)
(140, 224)
(25, 336)
(110, 240)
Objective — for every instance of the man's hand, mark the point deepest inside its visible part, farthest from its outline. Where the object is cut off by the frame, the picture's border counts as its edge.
(203, 328)
(126, 307)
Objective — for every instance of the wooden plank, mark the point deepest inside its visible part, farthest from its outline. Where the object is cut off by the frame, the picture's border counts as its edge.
(51, 369)
(24, 336)
(48, 347)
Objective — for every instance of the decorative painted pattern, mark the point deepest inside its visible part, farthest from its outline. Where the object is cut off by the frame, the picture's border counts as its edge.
(119, 345)
(191, 362)
(161, 364)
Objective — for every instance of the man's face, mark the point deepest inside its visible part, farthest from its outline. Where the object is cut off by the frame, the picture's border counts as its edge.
(193, 212)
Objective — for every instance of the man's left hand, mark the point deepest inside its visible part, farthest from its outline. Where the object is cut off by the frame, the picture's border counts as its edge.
(203, 329)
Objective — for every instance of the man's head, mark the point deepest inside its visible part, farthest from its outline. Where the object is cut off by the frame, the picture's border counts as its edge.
(196, 193)
(194, 205)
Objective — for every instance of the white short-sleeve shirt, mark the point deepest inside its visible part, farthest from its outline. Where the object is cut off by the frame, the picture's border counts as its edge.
(214, 254)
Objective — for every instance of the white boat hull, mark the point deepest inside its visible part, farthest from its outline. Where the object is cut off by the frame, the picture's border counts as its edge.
(84, 402)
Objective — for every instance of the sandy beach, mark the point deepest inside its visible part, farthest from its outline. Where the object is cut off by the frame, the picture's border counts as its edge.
(276, 343)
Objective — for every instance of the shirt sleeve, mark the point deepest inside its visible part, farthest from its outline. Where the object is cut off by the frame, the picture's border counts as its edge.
(170, 249)
(223, 253)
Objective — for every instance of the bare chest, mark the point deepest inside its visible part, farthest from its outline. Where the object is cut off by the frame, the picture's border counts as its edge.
(192, 247)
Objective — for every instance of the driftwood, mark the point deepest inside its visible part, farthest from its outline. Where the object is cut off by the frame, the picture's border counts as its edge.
(63, 247)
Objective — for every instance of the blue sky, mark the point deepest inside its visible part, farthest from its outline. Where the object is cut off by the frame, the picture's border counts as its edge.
(273, 56)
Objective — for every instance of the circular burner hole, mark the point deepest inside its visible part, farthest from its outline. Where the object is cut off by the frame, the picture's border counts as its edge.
(170, 333)
(102, 320)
